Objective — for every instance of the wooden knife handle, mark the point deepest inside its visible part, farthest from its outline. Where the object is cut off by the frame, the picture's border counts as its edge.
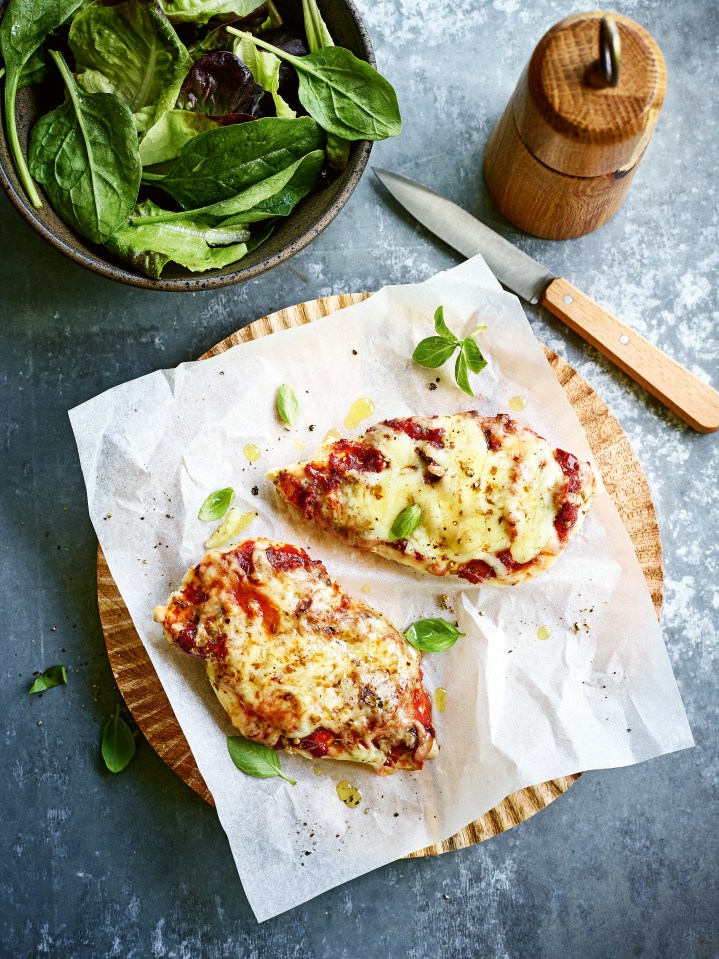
(678, 389)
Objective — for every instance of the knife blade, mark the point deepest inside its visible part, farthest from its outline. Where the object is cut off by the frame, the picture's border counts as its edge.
(692, 400)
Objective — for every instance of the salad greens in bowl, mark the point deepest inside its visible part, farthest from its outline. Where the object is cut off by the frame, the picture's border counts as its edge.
(186, 144)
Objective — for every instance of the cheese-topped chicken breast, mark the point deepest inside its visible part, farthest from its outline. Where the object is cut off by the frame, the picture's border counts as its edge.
(298, 664)
(496, 503)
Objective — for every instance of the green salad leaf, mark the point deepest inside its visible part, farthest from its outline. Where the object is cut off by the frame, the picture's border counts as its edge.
(130, 49)
(256, 759)
(406, 521)
(118, 743)
(346, 96)
(200, 11)
(168, 135)
(265, 68)
(275, 196)
(318, 36)
(149, 244)
(432, 635)
(316, 31)
(25, 26)
(52, 676)
(85, 154)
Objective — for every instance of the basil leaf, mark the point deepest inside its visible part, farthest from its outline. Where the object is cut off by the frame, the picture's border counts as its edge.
(441, 327)
(86, 156)
(118, 743)
(134, 48)
(461, 375)
(432, 635)
(216, 505)
(473, 355)
(255, 759)
(288, 408)
(433, 351)
(346, 96)
(228, 160)
(406, 521)
(52, 676)
(200, 11)
(25, 25)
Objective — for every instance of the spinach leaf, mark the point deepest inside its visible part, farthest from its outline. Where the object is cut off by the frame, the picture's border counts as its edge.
(222, 163)
(130, 49)
(165, 138)
(346, 96)
(52, 676)
(86, 156)
(275, 196)
(149, 246)
(318, 36)
(118, 743)
(219, 84)
(255, 759)
(34, 71)
(200, 11)
(25, 25)
(432, 635)
(265, 68)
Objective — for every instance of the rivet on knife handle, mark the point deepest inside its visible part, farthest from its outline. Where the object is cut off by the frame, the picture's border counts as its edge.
(678, 389)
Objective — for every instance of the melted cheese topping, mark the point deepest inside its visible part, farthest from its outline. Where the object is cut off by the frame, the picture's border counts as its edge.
(480, 496)
(298, 664)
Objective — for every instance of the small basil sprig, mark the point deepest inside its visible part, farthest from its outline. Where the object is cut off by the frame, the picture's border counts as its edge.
(118, 743)
(406, 521)
(53, 676)
(432, 635)
(433, 351)
(255, 759)
(216, 505)
(288, 407)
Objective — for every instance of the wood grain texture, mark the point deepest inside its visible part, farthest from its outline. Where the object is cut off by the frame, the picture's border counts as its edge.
(543, 201)
(560, 161)
(623, 478)
(692, 400)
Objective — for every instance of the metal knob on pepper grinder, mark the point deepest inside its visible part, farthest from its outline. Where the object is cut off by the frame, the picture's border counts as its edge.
(560, 161)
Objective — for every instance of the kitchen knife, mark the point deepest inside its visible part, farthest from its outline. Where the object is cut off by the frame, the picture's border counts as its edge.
(692, 400)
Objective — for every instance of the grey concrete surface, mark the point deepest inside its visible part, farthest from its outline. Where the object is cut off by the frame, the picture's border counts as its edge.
(135, 865)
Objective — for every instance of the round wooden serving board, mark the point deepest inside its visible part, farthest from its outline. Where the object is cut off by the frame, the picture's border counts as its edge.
(624, 480)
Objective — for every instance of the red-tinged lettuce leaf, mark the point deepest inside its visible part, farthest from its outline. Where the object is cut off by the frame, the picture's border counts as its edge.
(220, 84)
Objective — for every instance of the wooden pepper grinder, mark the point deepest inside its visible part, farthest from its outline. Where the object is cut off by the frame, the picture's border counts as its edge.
(560, 160)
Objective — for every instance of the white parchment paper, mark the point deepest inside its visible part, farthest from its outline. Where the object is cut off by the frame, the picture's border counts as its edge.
(519, 710)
